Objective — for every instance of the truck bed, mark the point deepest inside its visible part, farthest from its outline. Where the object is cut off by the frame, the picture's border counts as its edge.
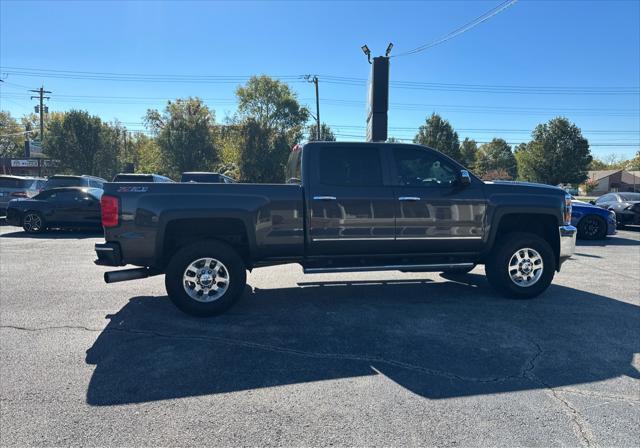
(269, 216)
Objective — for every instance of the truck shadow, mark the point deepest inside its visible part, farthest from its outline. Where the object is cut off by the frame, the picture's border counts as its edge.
(438, 340)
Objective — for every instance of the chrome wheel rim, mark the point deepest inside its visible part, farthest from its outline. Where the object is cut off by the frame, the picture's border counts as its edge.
(525, 267)
(206, 280)
(32, 222)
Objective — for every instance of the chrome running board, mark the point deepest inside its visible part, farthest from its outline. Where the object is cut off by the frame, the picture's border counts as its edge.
(392, 267)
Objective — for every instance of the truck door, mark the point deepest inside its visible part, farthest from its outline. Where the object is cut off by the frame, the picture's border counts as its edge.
(350, 210)
(435, 212)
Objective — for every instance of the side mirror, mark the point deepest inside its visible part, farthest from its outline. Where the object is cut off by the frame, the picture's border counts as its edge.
(592, 202)
(465, 178)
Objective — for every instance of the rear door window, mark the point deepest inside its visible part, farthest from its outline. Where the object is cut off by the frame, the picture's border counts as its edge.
(350, 167)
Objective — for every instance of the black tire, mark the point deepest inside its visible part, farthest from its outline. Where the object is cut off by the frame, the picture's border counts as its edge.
(184, 257)
(592, 227)
(33, 222)
(498, 265)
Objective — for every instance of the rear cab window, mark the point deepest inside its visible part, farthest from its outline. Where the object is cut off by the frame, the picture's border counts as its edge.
(133, 178)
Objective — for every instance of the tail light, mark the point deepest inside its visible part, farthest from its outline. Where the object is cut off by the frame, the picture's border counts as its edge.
(109, 207)
(19, 194)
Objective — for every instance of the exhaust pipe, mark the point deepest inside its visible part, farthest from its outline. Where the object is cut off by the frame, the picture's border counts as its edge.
(126, 274)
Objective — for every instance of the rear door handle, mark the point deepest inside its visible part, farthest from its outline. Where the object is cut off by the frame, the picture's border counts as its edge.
(324, 198)
(408, 198)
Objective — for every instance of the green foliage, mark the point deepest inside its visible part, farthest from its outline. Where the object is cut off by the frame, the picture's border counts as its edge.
(494, 160)
(468, 150)
(634, 164)
(184, 136)
(393, 140)
(597, 164)
(270, 122)
(148, 157)
(83, 144)
(326, 135)
(31, 122)
(558, 153)
(263, 153)
(272, 105)
(439, 134)
(11, 141)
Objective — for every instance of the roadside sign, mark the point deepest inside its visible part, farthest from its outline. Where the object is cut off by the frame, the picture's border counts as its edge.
(35, 147)
(24, 163)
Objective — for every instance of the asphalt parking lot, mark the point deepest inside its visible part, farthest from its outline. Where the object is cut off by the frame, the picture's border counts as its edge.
(353, 359)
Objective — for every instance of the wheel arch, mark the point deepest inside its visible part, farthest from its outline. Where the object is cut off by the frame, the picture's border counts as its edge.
(542, 222)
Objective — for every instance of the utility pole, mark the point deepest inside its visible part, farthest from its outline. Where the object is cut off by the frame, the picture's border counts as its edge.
(41, 110)
(314, 80)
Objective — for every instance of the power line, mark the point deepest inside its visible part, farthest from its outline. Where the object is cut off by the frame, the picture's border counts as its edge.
(97, 99)
(330, 79)
(464, 28)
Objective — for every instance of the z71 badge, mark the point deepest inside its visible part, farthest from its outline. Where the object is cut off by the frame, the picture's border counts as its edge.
(132, 189)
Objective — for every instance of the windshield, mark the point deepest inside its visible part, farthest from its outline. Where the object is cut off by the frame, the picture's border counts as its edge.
(57, 182)
(630, 196)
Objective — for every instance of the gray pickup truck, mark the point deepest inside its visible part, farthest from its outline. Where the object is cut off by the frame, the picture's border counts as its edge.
(346, 207)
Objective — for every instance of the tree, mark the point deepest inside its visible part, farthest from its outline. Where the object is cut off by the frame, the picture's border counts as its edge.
(439, 134)
(31, 122)
(557, 153)
(496, 161)
(597, 164)
(272, 105)
(263, 153)
(148, 157)
(184, 135)
(11, 136)
(468, 150)
(82, 143)
(326, 135)
(634, 164)
(393, 140)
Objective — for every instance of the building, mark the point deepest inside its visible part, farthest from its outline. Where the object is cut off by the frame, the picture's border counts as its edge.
(614, 180)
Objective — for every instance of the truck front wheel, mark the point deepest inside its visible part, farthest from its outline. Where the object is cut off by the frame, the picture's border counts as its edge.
(522, 265)
(205, 278)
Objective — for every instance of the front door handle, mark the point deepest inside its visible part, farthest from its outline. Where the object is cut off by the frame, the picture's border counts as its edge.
(324, 198)
(409, 198)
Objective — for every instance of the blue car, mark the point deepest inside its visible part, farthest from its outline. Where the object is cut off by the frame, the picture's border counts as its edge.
(593, 223)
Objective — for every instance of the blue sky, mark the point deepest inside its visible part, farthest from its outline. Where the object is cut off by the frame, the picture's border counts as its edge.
(586, 45)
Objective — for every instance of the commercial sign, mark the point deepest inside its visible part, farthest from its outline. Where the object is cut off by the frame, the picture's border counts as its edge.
(35, 147)
(24, 163)
(50, 162)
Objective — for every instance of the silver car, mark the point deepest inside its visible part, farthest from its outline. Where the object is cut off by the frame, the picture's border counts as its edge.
(13, 187)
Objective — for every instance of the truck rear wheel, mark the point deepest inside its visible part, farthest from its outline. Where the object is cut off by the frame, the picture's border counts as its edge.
(205, 278)
(521, 266)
